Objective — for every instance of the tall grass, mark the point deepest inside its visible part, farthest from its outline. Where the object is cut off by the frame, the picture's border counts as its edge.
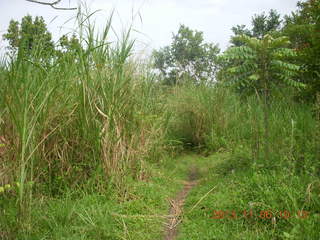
(88, 120)
(217, 119)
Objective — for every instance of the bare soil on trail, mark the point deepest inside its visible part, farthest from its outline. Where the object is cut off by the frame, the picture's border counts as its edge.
(176, 206)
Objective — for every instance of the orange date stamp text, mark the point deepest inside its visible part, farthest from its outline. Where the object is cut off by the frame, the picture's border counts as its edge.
(263, 214)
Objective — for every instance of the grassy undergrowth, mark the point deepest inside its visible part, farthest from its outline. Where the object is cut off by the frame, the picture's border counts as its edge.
(82, 215)
(237, 189)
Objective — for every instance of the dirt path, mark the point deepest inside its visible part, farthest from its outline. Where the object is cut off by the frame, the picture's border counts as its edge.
(174, 219)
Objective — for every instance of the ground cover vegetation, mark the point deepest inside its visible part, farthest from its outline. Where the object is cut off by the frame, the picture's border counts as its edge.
(94, 141)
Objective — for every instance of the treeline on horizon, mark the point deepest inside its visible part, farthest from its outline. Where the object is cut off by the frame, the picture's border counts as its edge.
(188, 56)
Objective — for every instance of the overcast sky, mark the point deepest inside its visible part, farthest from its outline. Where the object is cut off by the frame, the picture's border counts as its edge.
(153, 20)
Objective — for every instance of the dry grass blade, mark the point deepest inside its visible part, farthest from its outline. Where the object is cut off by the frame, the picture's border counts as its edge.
(203, 197)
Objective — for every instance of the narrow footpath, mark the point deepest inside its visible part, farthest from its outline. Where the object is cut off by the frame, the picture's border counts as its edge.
(176, 206)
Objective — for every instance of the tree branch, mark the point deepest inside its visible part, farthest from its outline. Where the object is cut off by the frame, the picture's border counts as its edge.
(53, 4)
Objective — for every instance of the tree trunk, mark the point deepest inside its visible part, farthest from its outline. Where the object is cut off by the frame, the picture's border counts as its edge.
(266, 111)
(266, 125)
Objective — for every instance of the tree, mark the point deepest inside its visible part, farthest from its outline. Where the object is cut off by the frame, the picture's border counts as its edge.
(261, 64)
(68, 49)
(303, 29)
(28, 36)
(188, 57)
(71, 44)
(237, 31)
(262, 24)
(265, 24)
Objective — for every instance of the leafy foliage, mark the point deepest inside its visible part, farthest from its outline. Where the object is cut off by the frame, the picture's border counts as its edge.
(29, 35)
(69, 49)
(303, 29)
(188, 57)
(262, 24)
(260, 64)
(237, 31)
(71, 44)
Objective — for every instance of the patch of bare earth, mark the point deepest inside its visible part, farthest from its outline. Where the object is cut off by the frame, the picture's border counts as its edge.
(176, 206)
